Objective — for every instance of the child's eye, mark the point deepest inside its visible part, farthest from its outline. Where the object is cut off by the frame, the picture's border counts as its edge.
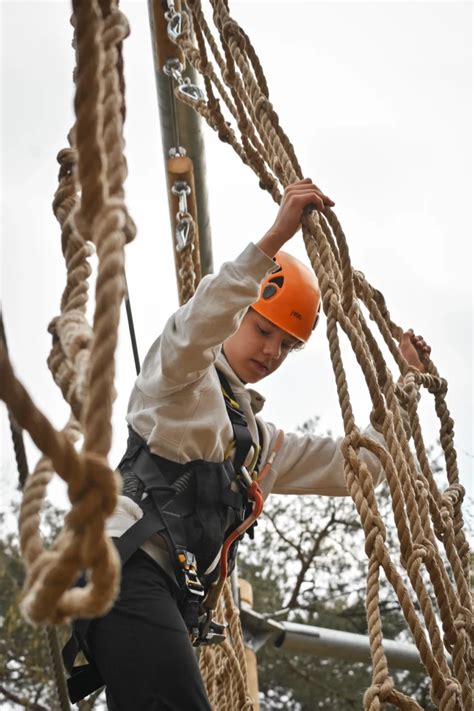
(263, 331)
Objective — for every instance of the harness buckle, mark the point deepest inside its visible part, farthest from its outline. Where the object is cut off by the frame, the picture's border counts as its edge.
(187, 565)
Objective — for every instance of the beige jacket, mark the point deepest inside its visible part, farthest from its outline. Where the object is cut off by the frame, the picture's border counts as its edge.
(177, 405)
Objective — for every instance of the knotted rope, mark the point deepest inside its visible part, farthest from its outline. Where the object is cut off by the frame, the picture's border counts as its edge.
(90, 208)
(223, 667)
(50, 632)
(433, 564)
(189, 263)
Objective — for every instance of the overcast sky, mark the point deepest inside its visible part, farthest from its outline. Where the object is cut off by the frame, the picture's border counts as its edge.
(376, 97)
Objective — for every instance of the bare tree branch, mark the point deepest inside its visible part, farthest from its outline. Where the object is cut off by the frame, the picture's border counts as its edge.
(284, 538)
(306, 561)
(21, 701)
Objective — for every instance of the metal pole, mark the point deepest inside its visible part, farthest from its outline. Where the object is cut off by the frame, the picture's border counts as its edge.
(181, 122)
(344, 645)
(320, 642)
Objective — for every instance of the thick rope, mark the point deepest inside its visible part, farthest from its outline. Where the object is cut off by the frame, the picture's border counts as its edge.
(90, 209)
(15, 430)
(189, 263)
(51, 635)
(56, 663)
(428, 520)
(82, 545)
(223, 667)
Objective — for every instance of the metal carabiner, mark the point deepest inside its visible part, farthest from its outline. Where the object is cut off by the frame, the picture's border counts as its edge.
(175, 26)
(183, 228)
(246, 476)
(191, 91)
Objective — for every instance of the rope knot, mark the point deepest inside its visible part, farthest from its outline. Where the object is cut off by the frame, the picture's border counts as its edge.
(375, 535)
(67, 159)
(96, 475)
(451, 698)
(262, 106)
(231, 31)
(377, 694)
(229, 76)
(380, 417)
(116, 27)
(225, 132)
(464, 620)
(434, 384)
(349, 446)
(74, 331)
(418, 555)
(453, 497)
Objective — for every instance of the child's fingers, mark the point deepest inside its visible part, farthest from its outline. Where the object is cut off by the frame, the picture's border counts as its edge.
(303, 186)
(306, 200)
(420, 343)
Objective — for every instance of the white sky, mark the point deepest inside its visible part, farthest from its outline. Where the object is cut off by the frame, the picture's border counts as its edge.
(376, 97)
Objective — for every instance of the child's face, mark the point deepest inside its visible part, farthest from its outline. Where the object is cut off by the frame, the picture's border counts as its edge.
(257, 348)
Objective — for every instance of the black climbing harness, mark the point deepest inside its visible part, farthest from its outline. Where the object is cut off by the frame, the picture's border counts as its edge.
(193, 506)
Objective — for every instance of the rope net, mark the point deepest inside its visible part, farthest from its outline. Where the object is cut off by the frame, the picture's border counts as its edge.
(430, 577)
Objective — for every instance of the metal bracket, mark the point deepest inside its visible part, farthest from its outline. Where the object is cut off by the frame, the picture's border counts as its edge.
(177, 152)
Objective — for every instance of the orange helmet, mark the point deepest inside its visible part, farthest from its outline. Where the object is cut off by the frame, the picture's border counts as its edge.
(290, 297)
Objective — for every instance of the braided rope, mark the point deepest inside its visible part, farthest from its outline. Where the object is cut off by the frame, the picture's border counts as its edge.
(51, 635)
(189, 262)
(223, 667)
(90, 209)
(434, 555)
(82, 545)
(56, 663)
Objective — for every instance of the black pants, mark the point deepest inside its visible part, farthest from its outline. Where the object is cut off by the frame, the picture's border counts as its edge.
(142, 648)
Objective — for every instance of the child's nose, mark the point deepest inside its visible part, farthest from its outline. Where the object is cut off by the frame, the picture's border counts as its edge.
(272, 347)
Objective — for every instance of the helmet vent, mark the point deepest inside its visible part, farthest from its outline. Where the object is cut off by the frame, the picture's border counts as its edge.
(269, 291)
(278, 281)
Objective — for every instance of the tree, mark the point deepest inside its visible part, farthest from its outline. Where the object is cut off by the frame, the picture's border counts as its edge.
(26, 678)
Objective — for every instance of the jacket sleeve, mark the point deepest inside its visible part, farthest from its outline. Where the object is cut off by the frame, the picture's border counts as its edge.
(194, 334)
(313, 464)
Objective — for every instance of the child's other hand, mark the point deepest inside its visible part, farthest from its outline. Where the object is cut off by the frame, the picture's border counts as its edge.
(301, 196)
(412, 347)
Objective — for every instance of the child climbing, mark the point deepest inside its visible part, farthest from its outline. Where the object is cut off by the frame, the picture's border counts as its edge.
(196, 440)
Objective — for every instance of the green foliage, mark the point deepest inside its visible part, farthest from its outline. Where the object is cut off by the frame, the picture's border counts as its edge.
(24, 662)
